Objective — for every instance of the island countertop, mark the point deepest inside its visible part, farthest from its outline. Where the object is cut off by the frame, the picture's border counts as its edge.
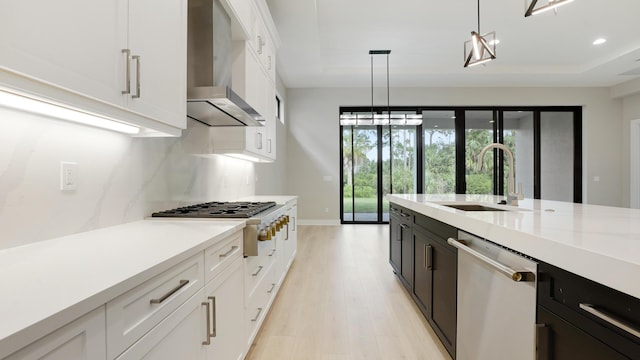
(600, 243)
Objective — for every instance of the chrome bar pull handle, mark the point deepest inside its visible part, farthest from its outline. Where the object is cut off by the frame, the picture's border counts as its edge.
(137, 59)
(214, 330)
(257, 272)
(233, 248)
(273, 286)
(611, 319)
(404, 226)
(272, 252)
(208, 341)
(503, 269)
(257, 315)
(127, 88)
(164, 297)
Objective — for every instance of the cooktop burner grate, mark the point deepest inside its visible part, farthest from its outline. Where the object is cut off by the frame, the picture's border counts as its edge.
(216, 209)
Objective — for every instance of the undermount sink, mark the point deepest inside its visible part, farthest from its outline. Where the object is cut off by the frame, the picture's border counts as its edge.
(472, 207)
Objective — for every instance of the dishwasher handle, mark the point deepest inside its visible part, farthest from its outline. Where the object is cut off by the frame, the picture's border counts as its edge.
(503, 269)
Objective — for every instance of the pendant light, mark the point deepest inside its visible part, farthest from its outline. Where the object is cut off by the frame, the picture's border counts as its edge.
(380, 119)
(533, 8)
(478, 50)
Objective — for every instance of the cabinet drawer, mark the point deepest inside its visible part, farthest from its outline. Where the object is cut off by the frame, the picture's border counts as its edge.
(257, 304)
(255, 268)
(137, 311)
(220, 255)
(571, 297)
(437, 228)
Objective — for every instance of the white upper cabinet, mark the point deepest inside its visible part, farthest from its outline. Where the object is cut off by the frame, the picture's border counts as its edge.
(70, 43)
(122, 59)
(158, 63)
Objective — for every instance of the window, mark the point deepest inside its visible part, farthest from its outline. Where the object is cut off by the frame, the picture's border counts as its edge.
(440, 155)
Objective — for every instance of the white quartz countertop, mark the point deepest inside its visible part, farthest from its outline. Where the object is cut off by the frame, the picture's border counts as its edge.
(597, 242)
(44, 285)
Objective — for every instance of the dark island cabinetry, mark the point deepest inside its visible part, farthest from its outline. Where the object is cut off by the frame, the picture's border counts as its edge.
(427, 266)
(581, 319)
(401, 243)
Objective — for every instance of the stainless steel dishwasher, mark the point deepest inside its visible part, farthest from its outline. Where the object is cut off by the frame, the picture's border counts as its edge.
(496, 301)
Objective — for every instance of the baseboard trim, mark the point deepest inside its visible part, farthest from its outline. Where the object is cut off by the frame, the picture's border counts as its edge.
(319, 222)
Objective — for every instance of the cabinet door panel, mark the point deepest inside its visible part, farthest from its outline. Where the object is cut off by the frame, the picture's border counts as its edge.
(395, 244)
(179, 336)
(567, 342)
(443, 309)
(422, 273)
(227, 314)
(73, 44)
(158, 35)
(83, 339)
(406, 237)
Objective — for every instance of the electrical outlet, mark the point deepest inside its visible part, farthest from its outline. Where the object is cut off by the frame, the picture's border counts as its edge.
(68, 176)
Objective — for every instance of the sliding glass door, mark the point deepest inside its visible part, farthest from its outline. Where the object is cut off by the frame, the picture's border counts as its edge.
(376, 160)
(440, 156)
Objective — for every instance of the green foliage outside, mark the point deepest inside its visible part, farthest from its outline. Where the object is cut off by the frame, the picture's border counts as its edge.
(439, 163)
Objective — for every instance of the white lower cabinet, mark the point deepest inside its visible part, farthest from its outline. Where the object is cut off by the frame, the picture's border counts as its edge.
(179, 336)
(82, 339)
(225, 294)
(207, 326)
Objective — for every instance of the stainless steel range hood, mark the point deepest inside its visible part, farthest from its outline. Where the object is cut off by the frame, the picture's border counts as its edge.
(210, 99)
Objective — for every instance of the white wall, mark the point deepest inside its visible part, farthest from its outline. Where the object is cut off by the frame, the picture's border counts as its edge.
(120, 179)
(313, 137)
(631, 111)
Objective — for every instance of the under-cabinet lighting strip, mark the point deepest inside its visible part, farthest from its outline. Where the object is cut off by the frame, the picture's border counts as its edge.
(41, 107)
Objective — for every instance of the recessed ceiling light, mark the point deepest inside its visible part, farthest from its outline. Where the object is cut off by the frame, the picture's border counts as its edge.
(599, 41)
(494, 42)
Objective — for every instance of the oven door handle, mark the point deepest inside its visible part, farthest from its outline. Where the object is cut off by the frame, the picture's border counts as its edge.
(501, 268)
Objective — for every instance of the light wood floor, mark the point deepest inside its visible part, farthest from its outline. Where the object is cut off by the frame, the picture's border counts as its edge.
(341, 300)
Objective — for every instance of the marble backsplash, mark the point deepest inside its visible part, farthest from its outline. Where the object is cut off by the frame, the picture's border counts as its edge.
(120, 178)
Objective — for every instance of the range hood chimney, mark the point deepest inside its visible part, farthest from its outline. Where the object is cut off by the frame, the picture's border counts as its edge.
(210, 99)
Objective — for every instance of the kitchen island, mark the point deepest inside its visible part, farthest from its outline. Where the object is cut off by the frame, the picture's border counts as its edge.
(596, 242)
(570, 289)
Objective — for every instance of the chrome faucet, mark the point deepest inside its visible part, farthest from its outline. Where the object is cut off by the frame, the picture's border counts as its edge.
(512, 196)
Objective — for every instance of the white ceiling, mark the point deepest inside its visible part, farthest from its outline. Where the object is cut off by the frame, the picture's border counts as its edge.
(325, 43)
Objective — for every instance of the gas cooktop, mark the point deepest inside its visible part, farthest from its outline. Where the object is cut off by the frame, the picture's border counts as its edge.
(215, 209)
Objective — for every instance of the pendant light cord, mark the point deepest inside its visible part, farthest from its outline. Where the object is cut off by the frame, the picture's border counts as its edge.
(372, 86)
(388, 97)
(478, 17)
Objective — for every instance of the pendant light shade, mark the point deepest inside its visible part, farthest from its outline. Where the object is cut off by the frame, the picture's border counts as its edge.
(380, 119)
(480, 48)
(537, 6)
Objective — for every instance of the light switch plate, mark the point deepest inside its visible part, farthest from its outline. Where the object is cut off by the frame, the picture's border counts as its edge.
(68, 176)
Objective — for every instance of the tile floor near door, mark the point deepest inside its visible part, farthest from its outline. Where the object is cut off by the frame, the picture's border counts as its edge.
(341, 300)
